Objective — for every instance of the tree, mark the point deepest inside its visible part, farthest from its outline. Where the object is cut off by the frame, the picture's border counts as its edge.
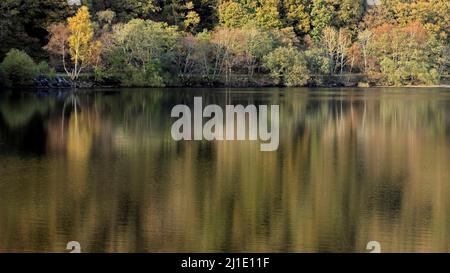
(349, 13)
(203, 51)
(354, 56)
(317, 60)
(364, 39)
(141, 48)
(129, 9)
(181, 13)
(83, 50)
(284, 37)
(342, 45)
(297, 15)
(432, 14)
(106, 18)
(376, 16)
(262, 13)
(233, 14)
(257, 45)
(223, 52)
(329, 41)
(18, 68)
(208, 13)
(407, 55)
(228, 50)
(187, 58)
(267, 15)
(192, 19)
(322, 14)
(287, 66)
(57, 44)
(23, 24)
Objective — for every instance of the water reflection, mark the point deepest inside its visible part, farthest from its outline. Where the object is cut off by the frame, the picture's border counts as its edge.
(102, 169)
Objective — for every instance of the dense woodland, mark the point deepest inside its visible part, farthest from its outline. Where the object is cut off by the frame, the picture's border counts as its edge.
(226, 42)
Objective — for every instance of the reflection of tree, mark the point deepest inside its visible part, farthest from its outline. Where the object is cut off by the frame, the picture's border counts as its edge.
(21, 126)
(352, 167)
(17, 112)
(72, 101)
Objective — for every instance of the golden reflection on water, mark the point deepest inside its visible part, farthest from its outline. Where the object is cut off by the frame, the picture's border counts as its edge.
(352, 167)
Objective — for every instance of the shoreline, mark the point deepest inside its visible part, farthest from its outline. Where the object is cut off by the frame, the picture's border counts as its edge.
(281, 88)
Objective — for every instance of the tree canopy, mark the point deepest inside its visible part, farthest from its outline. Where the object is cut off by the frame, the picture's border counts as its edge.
(227, 39)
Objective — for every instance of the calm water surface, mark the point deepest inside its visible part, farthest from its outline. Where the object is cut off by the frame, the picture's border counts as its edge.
(101, 168)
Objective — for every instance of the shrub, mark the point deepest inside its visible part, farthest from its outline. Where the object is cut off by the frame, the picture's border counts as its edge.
(18, 68)
(409, 72)
(45, 70)
(318, 61)
(101, 74)
(287, 66)
(133, 76)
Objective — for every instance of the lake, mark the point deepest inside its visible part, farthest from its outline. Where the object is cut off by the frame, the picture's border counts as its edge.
(101, 168)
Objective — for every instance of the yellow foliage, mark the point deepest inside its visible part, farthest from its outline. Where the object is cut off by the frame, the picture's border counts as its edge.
(192, 20)
(82, 32)
(83, 49)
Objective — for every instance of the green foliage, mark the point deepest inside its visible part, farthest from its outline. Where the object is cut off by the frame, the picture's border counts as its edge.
(297, 15)
(18, 68)
(129, 9)
(335, 13)
(233, 14)
(140, 50)
(349, 13)
(434, 15)
(106, 17)
(101, 74)
(322, 14)
(258, 43)
(263, 14)
(287, 66)
(407, 55)
(191, 21)
(45, 70)
(408, 72)
(153, 42)
(181, 13)
(375, 17)
(150, 77)
(267, 15)
(317, 61)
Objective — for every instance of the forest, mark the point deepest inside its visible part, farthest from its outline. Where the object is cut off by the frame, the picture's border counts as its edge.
(156, 43)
